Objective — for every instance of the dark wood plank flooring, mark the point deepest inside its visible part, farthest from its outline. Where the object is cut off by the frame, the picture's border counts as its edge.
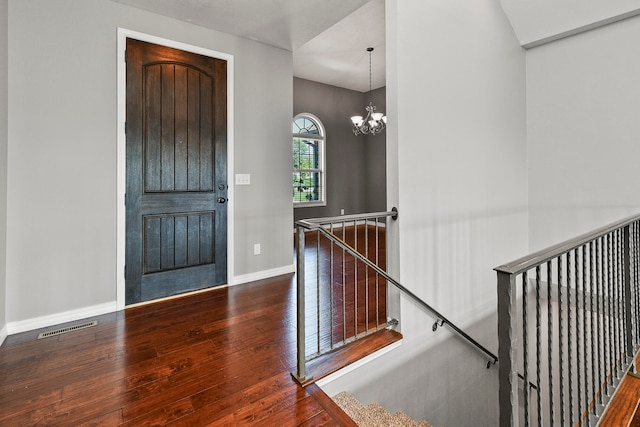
(624, 408)
(621, 408)
(222, 357)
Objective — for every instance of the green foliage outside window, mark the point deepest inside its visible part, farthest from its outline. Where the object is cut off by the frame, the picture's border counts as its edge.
(307, 161)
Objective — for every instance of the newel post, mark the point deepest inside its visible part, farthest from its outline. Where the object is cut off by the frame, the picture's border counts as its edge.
(626, 266)
(301, 373)
(507, 344)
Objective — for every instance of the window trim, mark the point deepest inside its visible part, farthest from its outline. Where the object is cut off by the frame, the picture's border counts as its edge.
(322, 139)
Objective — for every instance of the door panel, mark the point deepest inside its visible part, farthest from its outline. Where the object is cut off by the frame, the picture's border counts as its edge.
(179, 141)
(176, 172)
(177, 241)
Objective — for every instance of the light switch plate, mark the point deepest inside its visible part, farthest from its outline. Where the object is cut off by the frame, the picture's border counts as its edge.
(243, 179)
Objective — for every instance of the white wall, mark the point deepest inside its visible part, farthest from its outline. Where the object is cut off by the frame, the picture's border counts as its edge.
(456, 104)
(61, 239)
(4, 34)
(462, 151)
(540, 19)
(583, 101)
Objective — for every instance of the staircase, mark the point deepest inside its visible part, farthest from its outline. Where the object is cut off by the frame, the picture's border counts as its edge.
(374, 415)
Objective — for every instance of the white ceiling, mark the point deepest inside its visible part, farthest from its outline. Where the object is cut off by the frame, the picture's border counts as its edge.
(325, 47)
(287, 24)
(339, 56)
(329, 38)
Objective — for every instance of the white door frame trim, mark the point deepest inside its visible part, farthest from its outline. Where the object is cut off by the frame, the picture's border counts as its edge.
(123, 34)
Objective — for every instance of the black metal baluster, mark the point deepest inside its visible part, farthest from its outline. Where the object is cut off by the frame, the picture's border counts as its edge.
(561, 342)
(538, 346)
(625, 302)
(634, 264)
(620, 304)
(610, 336)
(570, 338)
(585, 325)
(634, 282)
(614, 305)
(593, 346)
(578, 335)
(598, 312)
(616, 302)
(550, 340)
(525, 346)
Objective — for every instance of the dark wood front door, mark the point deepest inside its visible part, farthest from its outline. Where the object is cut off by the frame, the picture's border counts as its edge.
(176, 212)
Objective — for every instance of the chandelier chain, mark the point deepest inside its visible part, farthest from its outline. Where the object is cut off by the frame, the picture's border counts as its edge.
(370, 96)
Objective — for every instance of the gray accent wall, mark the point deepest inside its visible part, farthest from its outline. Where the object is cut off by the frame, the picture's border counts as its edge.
(61, 201)
(4, 94)
(375, 159)
(355, 165)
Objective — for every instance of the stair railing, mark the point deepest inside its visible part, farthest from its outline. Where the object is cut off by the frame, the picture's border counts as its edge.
(568, 317)
(325, 228)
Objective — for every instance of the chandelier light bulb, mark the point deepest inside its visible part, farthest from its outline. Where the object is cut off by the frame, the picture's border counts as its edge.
(357, 120)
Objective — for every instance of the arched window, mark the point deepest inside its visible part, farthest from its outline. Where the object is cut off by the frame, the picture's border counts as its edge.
(308, 161)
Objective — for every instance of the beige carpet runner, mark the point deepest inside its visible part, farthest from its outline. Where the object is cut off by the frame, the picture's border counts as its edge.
(374, 415)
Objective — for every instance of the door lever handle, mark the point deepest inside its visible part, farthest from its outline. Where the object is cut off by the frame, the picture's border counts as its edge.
(222, 200)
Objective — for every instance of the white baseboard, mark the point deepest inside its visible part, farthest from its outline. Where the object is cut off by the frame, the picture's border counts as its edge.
(56, 319)
(265, 274)
(3, 334)
(96, 310)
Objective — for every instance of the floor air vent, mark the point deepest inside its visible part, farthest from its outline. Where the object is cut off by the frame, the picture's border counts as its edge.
(67, 329)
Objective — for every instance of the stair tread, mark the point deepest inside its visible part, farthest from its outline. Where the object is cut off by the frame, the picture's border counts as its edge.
(378, 412)
(374, 414)
(351, 406)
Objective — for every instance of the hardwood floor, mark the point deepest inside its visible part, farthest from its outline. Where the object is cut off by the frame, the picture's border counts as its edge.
(624, 408)
(221, 357)
(620, 411)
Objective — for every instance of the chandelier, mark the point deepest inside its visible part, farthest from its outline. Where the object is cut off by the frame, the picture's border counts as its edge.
(373, 122)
